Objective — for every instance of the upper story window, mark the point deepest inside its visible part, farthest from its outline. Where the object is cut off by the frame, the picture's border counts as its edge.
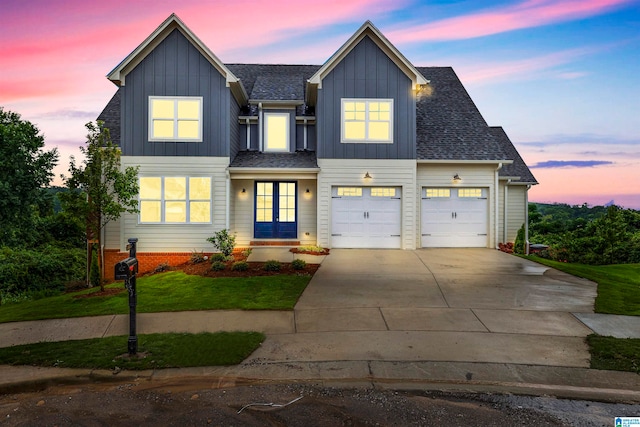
(177, 199)
(276, 132)
(367, 120)
(175, 118)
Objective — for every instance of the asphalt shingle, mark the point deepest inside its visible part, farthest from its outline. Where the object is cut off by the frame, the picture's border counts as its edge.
(257, 159)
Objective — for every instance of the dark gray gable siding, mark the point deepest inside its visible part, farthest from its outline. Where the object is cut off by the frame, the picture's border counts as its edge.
(176, 68)
(366, 72)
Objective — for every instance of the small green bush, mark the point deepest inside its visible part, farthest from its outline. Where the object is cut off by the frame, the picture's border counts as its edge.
(240, 266)
(218, 258)
(272, 265)
(223, 241)
(197, 257)
(163, 266)
(298, 264)
(246, 253)
(519, 246)
(218, 266)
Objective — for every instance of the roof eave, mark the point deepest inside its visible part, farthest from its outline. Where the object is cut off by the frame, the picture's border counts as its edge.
(470, 162)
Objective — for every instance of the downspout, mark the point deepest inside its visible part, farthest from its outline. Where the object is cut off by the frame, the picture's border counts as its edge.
(260, 126)
(228, 201)
(496, 208)
(506, 211)
(526, 219)
(248, 134)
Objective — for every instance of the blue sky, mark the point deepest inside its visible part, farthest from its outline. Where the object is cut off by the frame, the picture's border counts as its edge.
(561, 77)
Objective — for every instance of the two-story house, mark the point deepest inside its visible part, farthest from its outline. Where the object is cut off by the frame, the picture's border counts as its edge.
(364, 151)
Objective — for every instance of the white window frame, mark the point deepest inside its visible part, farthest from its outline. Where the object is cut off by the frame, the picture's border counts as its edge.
(187, 200)
(367, 120)
(266, 147)
(175, 118)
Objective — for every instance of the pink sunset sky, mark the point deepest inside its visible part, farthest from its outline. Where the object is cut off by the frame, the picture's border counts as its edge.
(561, 77)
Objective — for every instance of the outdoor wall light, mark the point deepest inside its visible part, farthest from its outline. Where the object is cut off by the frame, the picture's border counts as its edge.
(244, 190)
(367, 176)
(456, 178)
(307, 191)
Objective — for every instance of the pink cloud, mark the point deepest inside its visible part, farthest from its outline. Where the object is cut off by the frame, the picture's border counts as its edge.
(531, 13)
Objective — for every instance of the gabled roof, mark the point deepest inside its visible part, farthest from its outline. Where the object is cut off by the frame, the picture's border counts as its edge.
(448, 123)
(368, 29)
(110, 115)
(518, 171)
(119, 73)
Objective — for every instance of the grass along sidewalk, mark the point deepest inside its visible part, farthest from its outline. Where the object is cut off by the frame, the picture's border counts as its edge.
(154, 350)
(171, 291)
(618, 285)
(618, 293)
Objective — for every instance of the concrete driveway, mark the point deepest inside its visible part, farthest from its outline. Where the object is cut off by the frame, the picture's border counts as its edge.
(462, 305)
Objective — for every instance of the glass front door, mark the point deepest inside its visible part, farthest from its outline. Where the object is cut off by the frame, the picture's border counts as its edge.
(275, 210)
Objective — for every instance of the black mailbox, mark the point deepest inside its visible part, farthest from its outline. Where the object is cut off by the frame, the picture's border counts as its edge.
(126, 269)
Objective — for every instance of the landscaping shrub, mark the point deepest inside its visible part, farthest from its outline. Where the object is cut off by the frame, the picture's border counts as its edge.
(272, 265)
(223, 241)
(298, 264)
(30, 273)
(519, 245)
(246, 252)
(218, 266)
(218, 258)
(197, 257)
(240, 266)
(163, 266)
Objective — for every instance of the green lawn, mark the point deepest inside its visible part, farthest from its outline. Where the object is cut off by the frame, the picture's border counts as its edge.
(615, 354)
(159, 351)
(618, 285)
(171, 291)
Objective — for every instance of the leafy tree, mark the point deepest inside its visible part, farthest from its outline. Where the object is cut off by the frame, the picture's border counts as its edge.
(24, 168)
(99, 191)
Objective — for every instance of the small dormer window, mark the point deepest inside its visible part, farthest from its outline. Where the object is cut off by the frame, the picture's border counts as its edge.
(175, 118)
(367, 120)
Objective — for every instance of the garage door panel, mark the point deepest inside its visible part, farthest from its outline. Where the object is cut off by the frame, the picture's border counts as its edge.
(454, 220)
(365, 220)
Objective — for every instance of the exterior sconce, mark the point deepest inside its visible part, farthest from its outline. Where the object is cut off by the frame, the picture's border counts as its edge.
(456, 178)
(367, 176)
(244, 190)
(307, 191)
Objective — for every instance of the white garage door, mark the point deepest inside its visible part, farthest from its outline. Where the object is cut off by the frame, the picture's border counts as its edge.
(454, 217)
(366, 217)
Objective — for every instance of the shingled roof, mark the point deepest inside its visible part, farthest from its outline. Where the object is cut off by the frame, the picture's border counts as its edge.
(257, 159)
(111, 117)
(449, 125)
(518, 168)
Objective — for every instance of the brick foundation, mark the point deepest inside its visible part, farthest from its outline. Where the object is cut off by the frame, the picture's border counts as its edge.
(148, 261)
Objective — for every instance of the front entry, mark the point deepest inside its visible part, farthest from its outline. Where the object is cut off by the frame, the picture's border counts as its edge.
(275, 210)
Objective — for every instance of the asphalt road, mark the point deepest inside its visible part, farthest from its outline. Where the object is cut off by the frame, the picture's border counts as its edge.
(142, 404)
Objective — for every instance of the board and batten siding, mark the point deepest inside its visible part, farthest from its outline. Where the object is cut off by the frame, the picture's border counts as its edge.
(243, 205)
(176, 68)
(384, 173)
(175, 237)
(436, 175)
(366, 72)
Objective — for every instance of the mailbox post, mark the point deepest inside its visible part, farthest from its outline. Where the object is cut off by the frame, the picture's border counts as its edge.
(127, 270)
